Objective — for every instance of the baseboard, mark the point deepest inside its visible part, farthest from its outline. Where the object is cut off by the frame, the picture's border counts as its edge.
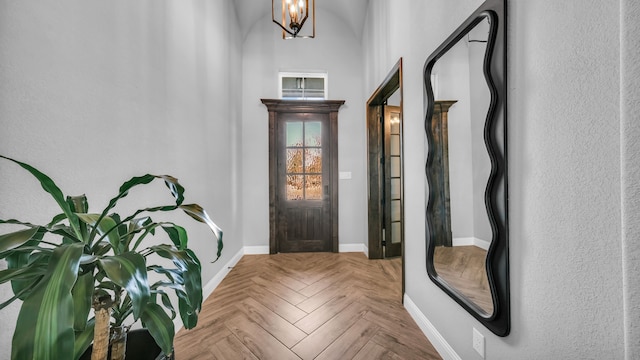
(471, 241)
(256, 250)
(482, 244)
(217, 279)
(261, 250)
(444, 349)
(351, 248)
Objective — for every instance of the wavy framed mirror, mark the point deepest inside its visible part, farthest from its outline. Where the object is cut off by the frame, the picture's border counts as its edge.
(466, 169)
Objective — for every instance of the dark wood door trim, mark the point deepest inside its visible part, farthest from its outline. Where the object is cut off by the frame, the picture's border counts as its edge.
(375, 110)
(330, 107)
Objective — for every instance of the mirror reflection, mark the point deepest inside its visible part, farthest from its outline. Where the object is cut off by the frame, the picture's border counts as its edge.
(462, 100)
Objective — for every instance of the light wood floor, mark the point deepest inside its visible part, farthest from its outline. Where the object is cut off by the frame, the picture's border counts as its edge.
(307, 306)
(463, 267)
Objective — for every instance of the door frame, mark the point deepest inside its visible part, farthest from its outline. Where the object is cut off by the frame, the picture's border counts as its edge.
(375, 104)
(330, 107)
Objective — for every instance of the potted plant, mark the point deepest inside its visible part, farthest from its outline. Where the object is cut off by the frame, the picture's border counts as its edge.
(82, 260)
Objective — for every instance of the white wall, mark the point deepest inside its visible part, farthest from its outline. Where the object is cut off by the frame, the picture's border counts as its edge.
(336, 50)
(564, 173)
(95, 92)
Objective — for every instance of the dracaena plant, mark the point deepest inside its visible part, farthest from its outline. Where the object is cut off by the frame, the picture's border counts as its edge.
(102, 260)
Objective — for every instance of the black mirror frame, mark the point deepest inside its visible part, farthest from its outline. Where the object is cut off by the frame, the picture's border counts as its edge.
(496, 195)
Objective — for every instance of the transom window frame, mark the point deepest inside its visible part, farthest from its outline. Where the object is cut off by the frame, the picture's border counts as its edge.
(303, 75)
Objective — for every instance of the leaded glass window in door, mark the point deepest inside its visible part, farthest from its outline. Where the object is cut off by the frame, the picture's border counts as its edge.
(304, 160)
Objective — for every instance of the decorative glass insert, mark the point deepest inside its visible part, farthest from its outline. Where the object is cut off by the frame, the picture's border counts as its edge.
(303, 86)
(304, 160)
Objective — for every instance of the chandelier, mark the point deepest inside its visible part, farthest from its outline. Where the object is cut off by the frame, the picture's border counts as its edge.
(294, 15)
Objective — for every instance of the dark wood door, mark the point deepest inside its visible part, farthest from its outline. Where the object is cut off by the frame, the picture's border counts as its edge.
(440, 173)
(303, 203)
(303, 174)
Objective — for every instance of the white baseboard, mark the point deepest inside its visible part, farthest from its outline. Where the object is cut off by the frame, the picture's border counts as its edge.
(261, 250)
(256, 250)
(482, 244)
(471, 241)
(444, 349)
(217, 279)
(351, 248)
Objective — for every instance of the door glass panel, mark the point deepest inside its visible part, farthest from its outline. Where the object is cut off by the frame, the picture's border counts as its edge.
(395, 188)
(313, 161)
(313, 133)
(313, 187)
(294, 134)
(395, 166)
(395, 144)
(395, 210)
(396, 235)
(395, 123)
(294, 161)
(295, 186)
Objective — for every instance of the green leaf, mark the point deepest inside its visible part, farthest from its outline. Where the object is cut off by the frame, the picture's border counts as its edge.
(15, 239)
(44, 329)
(188, 314)
(174, 275)
(129, 271)
(197, 212)
(82, 293)
(136, 226)
(160, 326)
(26, 272)
(191, 273)
(83, 339)
(22, 256)
(21, 295)
(50, 187)
(176, 189)
(105, 228)
(79, 204)
(166, 302)
(172, 183)
(178, 236)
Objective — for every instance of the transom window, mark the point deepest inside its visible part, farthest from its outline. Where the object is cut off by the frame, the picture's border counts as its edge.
(303, 86)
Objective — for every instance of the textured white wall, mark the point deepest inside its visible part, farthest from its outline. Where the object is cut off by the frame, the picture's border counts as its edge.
(564, 175)
(630, 171)
(336, 49)
(94, 92)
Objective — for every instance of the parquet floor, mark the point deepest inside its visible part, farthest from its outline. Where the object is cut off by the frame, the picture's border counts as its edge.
(307, 306)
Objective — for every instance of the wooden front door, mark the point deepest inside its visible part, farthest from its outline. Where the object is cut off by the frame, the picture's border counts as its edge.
(303, 173)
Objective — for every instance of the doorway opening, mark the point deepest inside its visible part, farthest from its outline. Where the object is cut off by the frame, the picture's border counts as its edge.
(385, 169)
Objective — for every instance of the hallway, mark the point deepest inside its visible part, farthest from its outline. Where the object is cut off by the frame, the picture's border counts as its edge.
(307, 306)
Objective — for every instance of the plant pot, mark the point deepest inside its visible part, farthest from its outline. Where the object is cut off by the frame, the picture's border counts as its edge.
(140, 346)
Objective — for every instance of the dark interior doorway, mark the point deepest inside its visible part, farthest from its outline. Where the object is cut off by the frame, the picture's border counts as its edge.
(385, 170)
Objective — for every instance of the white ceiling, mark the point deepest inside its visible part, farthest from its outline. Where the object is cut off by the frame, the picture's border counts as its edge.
(353, 12)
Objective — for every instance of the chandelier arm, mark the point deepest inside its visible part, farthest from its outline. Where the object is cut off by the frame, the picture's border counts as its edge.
(285, 29)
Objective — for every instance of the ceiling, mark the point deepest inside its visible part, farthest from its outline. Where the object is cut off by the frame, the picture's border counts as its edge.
(353, 12)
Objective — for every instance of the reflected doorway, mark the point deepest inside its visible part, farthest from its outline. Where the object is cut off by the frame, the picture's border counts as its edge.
(385, 170)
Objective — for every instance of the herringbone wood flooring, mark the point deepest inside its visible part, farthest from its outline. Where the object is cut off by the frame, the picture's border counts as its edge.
(307, 306)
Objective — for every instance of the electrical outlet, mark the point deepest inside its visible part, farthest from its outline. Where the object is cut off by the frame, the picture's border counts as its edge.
(478, 342)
